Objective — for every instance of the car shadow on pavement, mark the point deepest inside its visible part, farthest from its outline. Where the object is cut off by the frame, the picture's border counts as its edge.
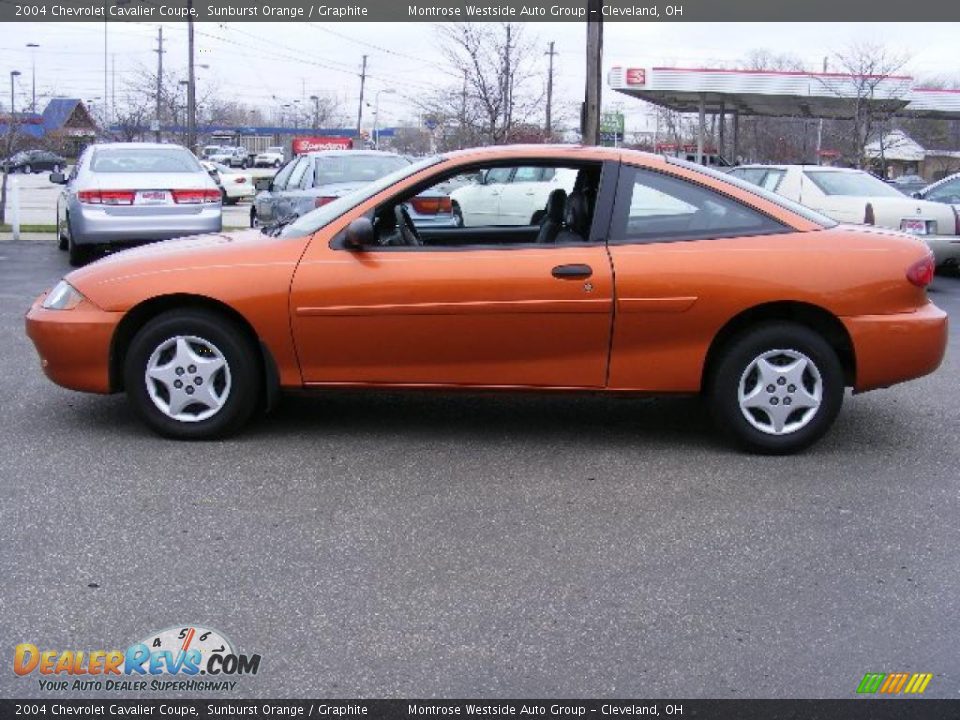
(472, 416)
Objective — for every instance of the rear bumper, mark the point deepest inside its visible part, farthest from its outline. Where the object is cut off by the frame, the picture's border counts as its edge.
(91, 225)
(945, 248)
(893, 348)
(74, 345)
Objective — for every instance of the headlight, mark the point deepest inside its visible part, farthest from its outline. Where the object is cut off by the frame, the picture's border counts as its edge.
(63, 297)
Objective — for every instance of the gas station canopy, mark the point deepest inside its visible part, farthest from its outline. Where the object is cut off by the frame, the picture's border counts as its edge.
(778, 94)
(760, 92)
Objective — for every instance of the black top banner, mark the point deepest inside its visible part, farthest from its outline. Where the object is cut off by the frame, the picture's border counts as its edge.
(475, 11)
(863, 709)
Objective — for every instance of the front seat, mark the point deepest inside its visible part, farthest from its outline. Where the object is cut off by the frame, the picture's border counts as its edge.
(576, 219)
(553, 217)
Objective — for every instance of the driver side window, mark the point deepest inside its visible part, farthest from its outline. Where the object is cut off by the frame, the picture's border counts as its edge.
(283, 175)
(530, 204)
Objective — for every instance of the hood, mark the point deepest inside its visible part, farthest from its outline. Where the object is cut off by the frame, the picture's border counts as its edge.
(166, 266)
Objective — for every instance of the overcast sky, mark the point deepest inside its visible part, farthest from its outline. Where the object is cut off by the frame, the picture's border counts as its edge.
(254, 61)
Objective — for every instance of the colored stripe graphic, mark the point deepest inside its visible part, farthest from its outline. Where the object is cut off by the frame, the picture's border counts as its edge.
(894, 683)
(871, 682)
(918, 683)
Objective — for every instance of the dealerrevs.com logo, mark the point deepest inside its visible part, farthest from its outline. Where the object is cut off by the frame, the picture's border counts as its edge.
(187, 657)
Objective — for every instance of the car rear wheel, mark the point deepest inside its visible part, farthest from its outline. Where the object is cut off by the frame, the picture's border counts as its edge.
(777, 388)
(192, 375)
(457, 215)
(28, 170)
(79, 254)
(61, 235)
(254, 220)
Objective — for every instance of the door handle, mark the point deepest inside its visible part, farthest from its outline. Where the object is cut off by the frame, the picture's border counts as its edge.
(572, 272)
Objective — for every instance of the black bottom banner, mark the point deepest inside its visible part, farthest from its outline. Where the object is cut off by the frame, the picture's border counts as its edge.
(858, 709)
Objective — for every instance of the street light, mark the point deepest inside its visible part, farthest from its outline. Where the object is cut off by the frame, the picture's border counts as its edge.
(376, 115)
(33, 62)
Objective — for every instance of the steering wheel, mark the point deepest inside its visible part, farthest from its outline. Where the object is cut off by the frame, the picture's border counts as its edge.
(405, 226)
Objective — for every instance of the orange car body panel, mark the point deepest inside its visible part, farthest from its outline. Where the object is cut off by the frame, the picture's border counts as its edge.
(496, 317)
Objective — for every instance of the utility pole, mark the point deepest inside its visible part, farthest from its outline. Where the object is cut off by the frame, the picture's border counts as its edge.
(363, 81)
(159, 51)
(548, 128)
(192, 86)
(33, 62)
(507, 85)
(591, 106)
(820, 124)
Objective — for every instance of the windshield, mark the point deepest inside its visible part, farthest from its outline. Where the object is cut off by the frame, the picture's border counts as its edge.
(857, 184)
(316, 219)
(144, 160)
(796, 208)
(356, 168)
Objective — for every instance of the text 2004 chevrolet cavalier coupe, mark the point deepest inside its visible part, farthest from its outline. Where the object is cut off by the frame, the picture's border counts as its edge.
(650, 275)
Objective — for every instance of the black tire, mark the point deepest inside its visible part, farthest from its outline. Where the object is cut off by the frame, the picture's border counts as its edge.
(457, 215)
(253, 218)
(79, 254)
(28, 170)
(242, 364)
(61, 237)
(732, 366)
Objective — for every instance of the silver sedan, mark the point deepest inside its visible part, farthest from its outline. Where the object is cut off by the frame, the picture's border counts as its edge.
(123, 193)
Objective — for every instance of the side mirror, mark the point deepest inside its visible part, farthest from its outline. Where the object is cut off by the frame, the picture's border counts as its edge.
(57, 178)
(359, 234)
(263, 183)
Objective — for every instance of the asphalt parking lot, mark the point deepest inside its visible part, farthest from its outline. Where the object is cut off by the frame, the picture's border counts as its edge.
(402, 545)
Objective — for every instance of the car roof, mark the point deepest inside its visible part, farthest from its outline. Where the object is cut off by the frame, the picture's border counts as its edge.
(138, 146)
(824, 168)
(349, 153)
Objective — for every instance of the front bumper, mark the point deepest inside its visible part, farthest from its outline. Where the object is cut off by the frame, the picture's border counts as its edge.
(92, 225)
(893, 348)
(74, 345)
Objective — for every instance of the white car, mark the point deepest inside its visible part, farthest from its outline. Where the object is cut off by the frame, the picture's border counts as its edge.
(271, 157)
(509, 195)
(854, 196)
(231, 157)
(234, 186)
(942, 191)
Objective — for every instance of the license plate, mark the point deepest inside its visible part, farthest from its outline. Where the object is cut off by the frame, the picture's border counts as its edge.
(912, 225)
(153, 197)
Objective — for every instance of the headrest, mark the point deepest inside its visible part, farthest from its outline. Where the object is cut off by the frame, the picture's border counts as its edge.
(556, 203)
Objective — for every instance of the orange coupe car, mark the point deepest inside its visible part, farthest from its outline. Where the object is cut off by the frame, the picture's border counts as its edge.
(644, 274)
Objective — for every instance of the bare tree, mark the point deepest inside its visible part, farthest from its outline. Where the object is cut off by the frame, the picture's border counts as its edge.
(495, 86)
(871, 109)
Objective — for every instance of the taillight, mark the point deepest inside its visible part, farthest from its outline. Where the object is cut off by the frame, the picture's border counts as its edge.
(868, 216)
(432, 205)
(921, 272)
(321, 201)
(106, 197)
(195, 197)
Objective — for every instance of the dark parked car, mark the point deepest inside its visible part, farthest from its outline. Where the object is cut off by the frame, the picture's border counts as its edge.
(35, 161)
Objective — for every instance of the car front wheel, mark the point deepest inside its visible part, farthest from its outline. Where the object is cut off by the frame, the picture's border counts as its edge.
(777, 388)
(192, 375)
